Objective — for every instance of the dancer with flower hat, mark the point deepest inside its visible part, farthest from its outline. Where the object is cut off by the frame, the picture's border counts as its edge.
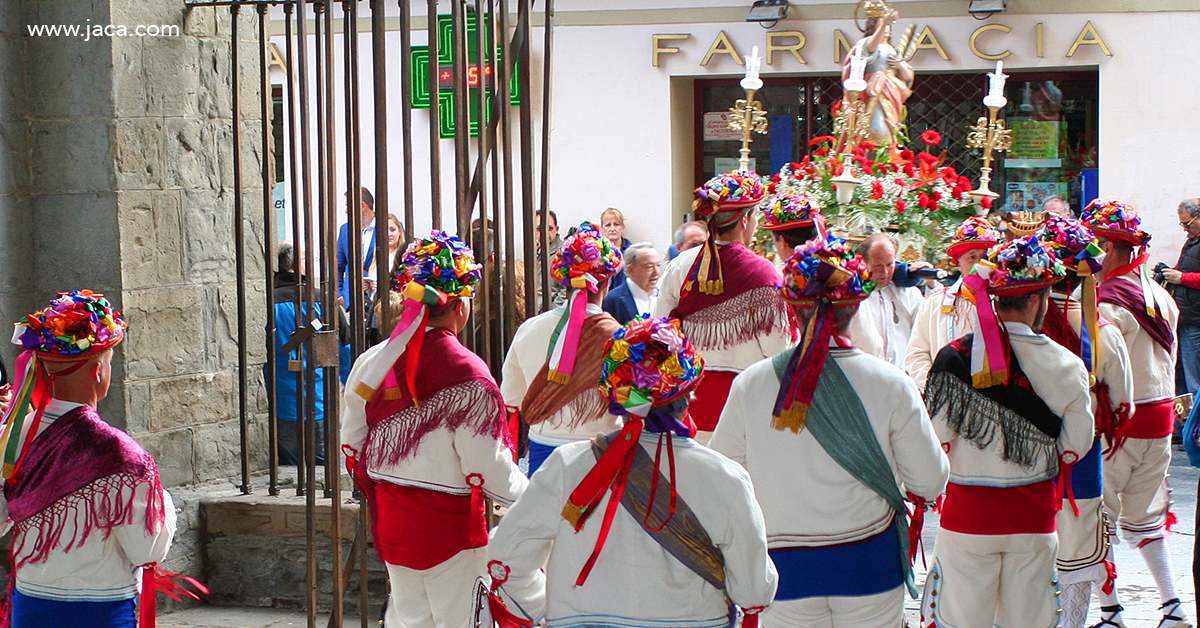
(83, 499)
(793, 219)
(1082, 535)
(554, 361)
(1013, 411)
(424, 432)
(1136, 495)
(726, 295)
(681, 533)
(847, 424)
(949, 314)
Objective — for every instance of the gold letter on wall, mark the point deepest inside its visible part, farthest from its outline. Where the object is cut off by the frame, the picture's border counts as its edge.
(981, 30)
(840, 42)
(792, 48)
(666, 49)
(722, 46)
(1089, 36)
(928, 41)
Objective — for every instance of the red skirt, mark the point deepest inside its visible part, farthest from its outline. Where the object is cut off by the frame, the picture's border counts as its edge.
(711, 393)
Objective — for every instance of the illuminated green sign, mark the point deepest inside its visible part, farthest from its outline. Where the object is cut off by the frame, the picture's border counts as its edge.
(479, 76)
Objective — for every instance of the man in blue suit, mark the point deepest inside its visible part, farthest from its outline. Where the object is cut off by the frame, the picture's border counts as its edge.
(343, 245)
(643, 265)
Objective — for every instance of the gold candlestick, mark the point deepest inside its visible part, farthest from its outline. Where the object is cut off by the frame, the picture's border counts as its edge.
(749, 117)
(990, 135)
(851, 126)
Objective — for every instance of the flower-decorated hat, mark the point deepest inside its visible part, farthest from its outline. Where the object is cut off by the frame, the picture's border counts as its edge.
(434, 271)
(1073, 244)
(792, 210)
(976, 232)
(68, 332)
(828, 270)
(725, 192)
(1013, 269)
(586, 261)
(1115, 220)
(825, 274)
(648, 364)
(1020, 267)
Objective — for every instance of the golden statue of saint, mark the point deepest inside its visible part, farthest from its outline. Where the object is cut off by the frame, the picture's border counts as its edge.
(889, 78)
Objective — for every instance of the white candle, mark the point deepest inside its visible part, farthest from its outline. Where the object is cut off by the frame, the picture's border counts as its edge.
(753, 63)
(751, 81)
(995, 96)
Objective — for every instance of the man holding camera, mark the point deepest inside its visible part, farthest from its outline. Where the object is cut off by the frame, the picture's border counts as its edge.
(1183, 282)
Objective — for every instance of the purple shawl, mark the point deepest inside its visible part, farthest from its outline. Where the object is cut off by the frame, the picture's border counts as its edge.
(1128, 295)
(749, 307)
(77, 470)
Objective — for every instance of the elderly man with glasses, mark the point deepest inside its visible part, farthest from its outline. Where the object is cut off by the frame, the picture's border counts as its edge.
(1183, 282)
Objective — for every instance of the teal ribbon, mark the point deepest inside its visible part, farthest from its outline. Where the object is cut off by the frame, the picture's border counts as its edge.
(839, 422)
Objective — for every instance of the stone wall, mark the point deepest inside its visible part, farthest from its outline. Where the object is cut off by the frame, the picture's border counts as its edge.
(117, 174)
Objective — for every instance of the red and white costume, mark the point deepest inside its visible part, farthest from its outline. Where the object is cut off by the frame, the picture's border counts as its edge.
(426, 467)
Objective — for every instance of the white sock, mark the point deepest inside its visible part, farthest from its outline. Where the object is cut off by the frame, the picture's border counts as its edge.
(1158, 559)
(1108, 599)
(1075, 598)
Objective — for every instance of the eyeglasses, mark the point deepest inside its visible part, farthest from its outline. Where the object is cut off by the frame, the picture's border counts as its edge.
(1187, 224)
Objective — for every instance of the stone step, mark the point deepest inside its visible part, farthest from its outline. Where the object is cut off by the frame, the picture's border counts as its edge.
(243, 617)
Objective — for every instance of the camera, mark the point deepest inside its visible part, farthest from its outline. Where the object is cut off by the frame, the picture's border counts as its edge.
(1159, 276)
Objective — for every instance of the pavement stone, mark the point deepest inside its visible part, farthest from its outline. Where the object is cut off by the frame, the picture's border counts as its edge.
(1135, 586)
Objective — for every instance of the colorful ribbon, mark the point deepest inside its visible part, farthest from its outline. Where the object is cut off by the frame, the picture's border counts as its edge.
(989, 360)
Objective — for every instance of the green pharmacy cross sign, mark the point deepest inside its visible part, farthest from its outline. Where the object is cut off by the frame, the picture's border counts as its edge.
(480, 76)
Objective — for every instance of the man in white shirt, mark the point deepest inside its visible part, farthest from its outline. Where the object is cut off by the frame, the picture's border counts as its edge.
(84, 500)
(638, 295)
(885, 320)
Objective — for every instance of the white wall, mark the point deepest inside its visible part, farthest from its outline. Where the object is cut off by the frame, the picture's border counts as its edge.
(612, 110)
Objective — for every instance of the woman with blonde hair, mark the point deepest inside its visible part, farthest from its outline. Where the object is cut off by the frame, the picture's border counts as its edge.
(612, 221)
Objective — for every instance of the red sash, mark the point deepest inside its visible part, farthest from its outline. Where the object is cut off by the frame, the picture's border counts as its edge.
(1152, 420)
(419, 528)
(1029, 509)
(711, 393)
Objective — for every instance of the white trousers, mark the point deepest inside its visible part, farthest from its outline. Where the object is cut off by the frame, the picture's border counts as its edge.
(1136, 495)
(981, 581)
(438, 597)
(882, 610)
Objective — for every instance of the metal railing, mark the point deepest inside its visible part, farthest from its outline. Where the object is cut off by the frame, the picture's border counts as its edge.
(485, 183)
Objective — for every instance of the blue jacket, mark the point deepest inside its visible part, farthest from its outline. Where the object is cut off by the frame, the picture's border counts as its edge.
(285, 326)
(343, 253)
(620, 304)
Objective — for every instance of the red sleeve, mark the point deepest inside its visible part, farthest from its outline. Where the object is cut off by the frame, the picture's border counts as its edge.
(1191, 280)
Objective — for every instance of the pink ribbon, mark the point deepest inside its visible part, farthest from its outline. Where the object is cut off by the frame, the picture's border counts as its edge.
(566, 363)
(989, 326)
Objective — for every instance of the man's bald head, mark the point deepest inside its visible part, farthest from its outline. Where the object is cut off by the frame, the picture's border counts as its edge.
(879, 252)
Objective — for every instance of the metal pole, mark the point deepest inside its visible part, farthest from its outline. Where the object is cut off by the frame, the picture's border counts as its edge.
(270, 249)
(330, 310)
(357, 305)
(504, 72)
(483, 60)
(299, 239)
(547, 71)
(526, 114)
(239, 247)
(435, 138)
(462, 119)
(297, 247)
(406, 140)
(379, 76)
(309, 461)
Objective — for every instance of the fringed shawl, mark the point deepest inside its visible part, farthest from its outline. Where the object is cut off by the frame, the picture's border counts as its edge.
(1012, 413)
(84, 471)
(749, 307)
(581, 393)
(1129, 295)
(456, 391)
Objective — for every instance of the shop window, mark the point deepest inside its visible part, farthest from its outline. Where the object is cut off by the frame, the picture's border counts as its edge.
(1053, 117)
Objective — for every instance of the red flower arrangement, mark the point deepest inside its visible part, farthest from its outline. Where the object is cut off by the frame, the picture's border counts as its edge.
(931, 137)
